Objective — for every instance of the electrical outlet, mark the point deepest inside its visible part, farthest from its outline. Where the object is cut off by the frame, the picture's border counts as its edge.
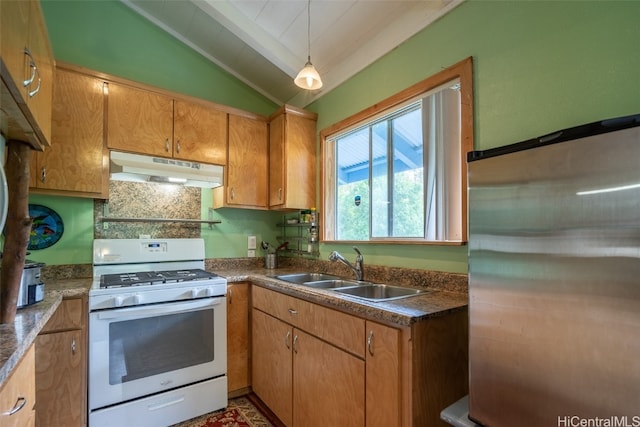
(251, 243)
(251, 253)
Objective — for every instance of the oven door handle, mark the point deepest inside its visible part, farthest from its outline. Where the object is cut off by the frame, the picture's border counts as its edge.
(151, 310)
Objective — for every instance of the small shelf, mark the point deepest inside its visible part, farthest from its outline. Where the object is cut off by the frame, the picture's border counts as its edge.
(299, 235)
(298, 224)
(183, 220)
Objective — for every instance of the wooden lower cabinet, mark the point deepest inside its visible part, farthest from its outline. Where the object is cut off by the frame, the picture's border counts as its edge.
(328, 384)
(61, 367)
(315, 366)
(272, 363)
(19, 393)
(304, 380)
(238, 333)
(383, 390)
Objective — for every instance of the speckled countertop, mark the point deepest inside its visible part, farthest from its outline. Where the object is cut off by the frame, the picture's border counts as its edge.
(400, 312)
(446, 293)
(16, 338)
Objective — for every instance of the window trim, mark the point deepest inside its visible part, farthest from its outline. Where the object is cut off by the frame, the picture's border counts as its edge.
(463, 71)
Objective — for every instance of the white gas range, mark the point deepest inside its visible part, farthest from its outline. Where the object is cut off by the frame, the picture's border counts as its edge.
(157, 333)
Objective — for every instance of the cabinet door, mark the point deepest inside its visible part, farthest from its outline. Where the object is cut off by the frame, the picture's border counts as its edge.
(292, 161)
(76, 160)
(383, 388)
(14, 37)
(60, 374)
(139, 121)
(271, 361)
(246, 184)
(20, 385)
(200, 133)
(40, 92)
(276, 162)
(328, 384)
(300, 150)
(238, 336)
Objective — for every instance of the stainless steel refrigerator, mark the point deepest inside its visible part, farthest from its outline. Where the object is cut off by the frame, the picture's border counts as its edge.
(554, 279)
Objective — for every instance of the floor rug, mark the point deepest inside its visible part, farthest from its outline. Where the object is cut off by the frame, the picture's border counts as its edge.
(240, 412)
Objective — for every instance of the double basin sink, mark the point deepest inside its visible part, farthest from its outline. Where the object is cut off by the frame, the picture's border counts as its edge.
(365, 290)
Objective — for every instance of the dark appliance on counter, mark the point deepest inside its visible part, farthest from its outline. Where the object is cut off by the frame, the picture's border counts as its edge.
(157, 333)
(554, 279)
(31, 286)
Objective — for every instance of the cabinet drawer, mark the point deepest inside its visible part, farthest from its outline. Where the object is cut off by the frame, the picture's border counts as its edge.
(69, 315)
(340, 329)
(21, 385)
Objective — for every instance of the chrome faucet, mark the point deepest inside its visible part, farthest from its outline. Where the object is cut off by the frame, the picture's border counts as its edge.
(358, 268)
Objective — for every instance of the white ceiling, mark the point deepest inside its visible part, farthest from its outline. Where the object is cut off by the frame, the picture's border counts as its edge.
(264, 42)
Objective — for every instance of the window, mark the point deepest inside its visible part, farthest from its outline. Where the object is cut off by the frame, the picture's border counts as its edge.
(396, 172)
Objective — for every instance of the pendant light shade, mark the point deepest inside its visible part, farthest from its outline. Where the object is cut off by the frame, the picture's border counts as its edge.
(308, 78)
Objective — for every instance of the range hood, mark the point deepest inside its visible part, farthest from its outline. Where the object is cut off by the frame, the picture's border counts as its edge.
(139, 168)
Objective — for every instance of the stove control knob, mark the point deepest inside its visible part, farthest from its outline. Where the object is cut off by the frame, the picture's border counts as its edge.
(209, 292)
(118, 301)
(194, 293)
(136, 299)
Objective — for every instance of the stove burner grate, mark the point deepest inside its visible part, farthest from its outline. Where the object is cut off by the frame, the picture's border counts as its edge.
(143, 278)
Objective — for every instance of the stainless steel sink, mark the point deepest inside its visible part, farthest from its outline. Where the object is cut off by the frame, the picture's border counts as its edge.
(379, 292)
(334, 283)
(302, 278)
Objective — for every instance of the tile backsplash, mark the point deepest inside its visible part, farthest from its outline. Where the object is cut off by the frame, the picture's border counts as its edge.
(147, 200)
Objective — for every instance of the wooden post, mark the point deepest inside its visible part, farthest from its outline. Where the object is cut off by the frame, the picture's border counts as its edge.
(17, 228)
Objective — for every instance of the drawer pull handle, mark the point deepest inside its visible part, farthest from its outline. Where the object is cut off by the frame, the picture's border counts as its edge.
(73, 346)
(166, 145)
(370, 343)
(33, 93)
(32, 66)
(230, 295)
(18, 406)
(287, 340)
(293, 312)
(295, 344)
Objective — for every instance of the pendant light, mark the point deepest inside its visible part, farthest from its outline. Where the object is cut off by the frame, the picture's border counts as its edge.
(308, 77)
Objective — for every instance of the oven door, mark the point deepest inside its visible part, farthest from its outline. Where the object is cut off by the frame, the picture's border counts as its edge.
(138, 351)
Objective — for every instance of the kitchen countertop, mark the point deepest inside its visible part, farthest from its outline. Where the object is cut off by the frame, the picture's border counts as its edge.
(16, 338)
(400, 312)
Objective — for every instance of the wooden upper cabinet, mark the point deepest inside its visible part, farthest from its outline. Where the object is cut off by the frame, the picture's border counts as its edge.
(77, 159)
(246, 173)
(146, 122)
(40, 102)
(292, 159)
(27, 72)
(139, 121)
(200, 133)
(14, 17)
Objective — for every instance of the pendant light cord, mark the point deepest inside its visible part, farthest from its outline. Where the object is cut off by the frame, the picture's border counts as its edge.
(309, 31)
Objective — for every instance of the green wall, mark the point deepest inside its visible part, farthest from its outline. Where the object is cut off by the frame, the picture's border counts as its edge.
(538, 66)
(108, 36)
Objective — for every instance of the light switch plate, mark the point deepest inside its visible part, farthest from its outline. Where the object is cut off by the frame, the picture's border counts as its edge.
(251, 242)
